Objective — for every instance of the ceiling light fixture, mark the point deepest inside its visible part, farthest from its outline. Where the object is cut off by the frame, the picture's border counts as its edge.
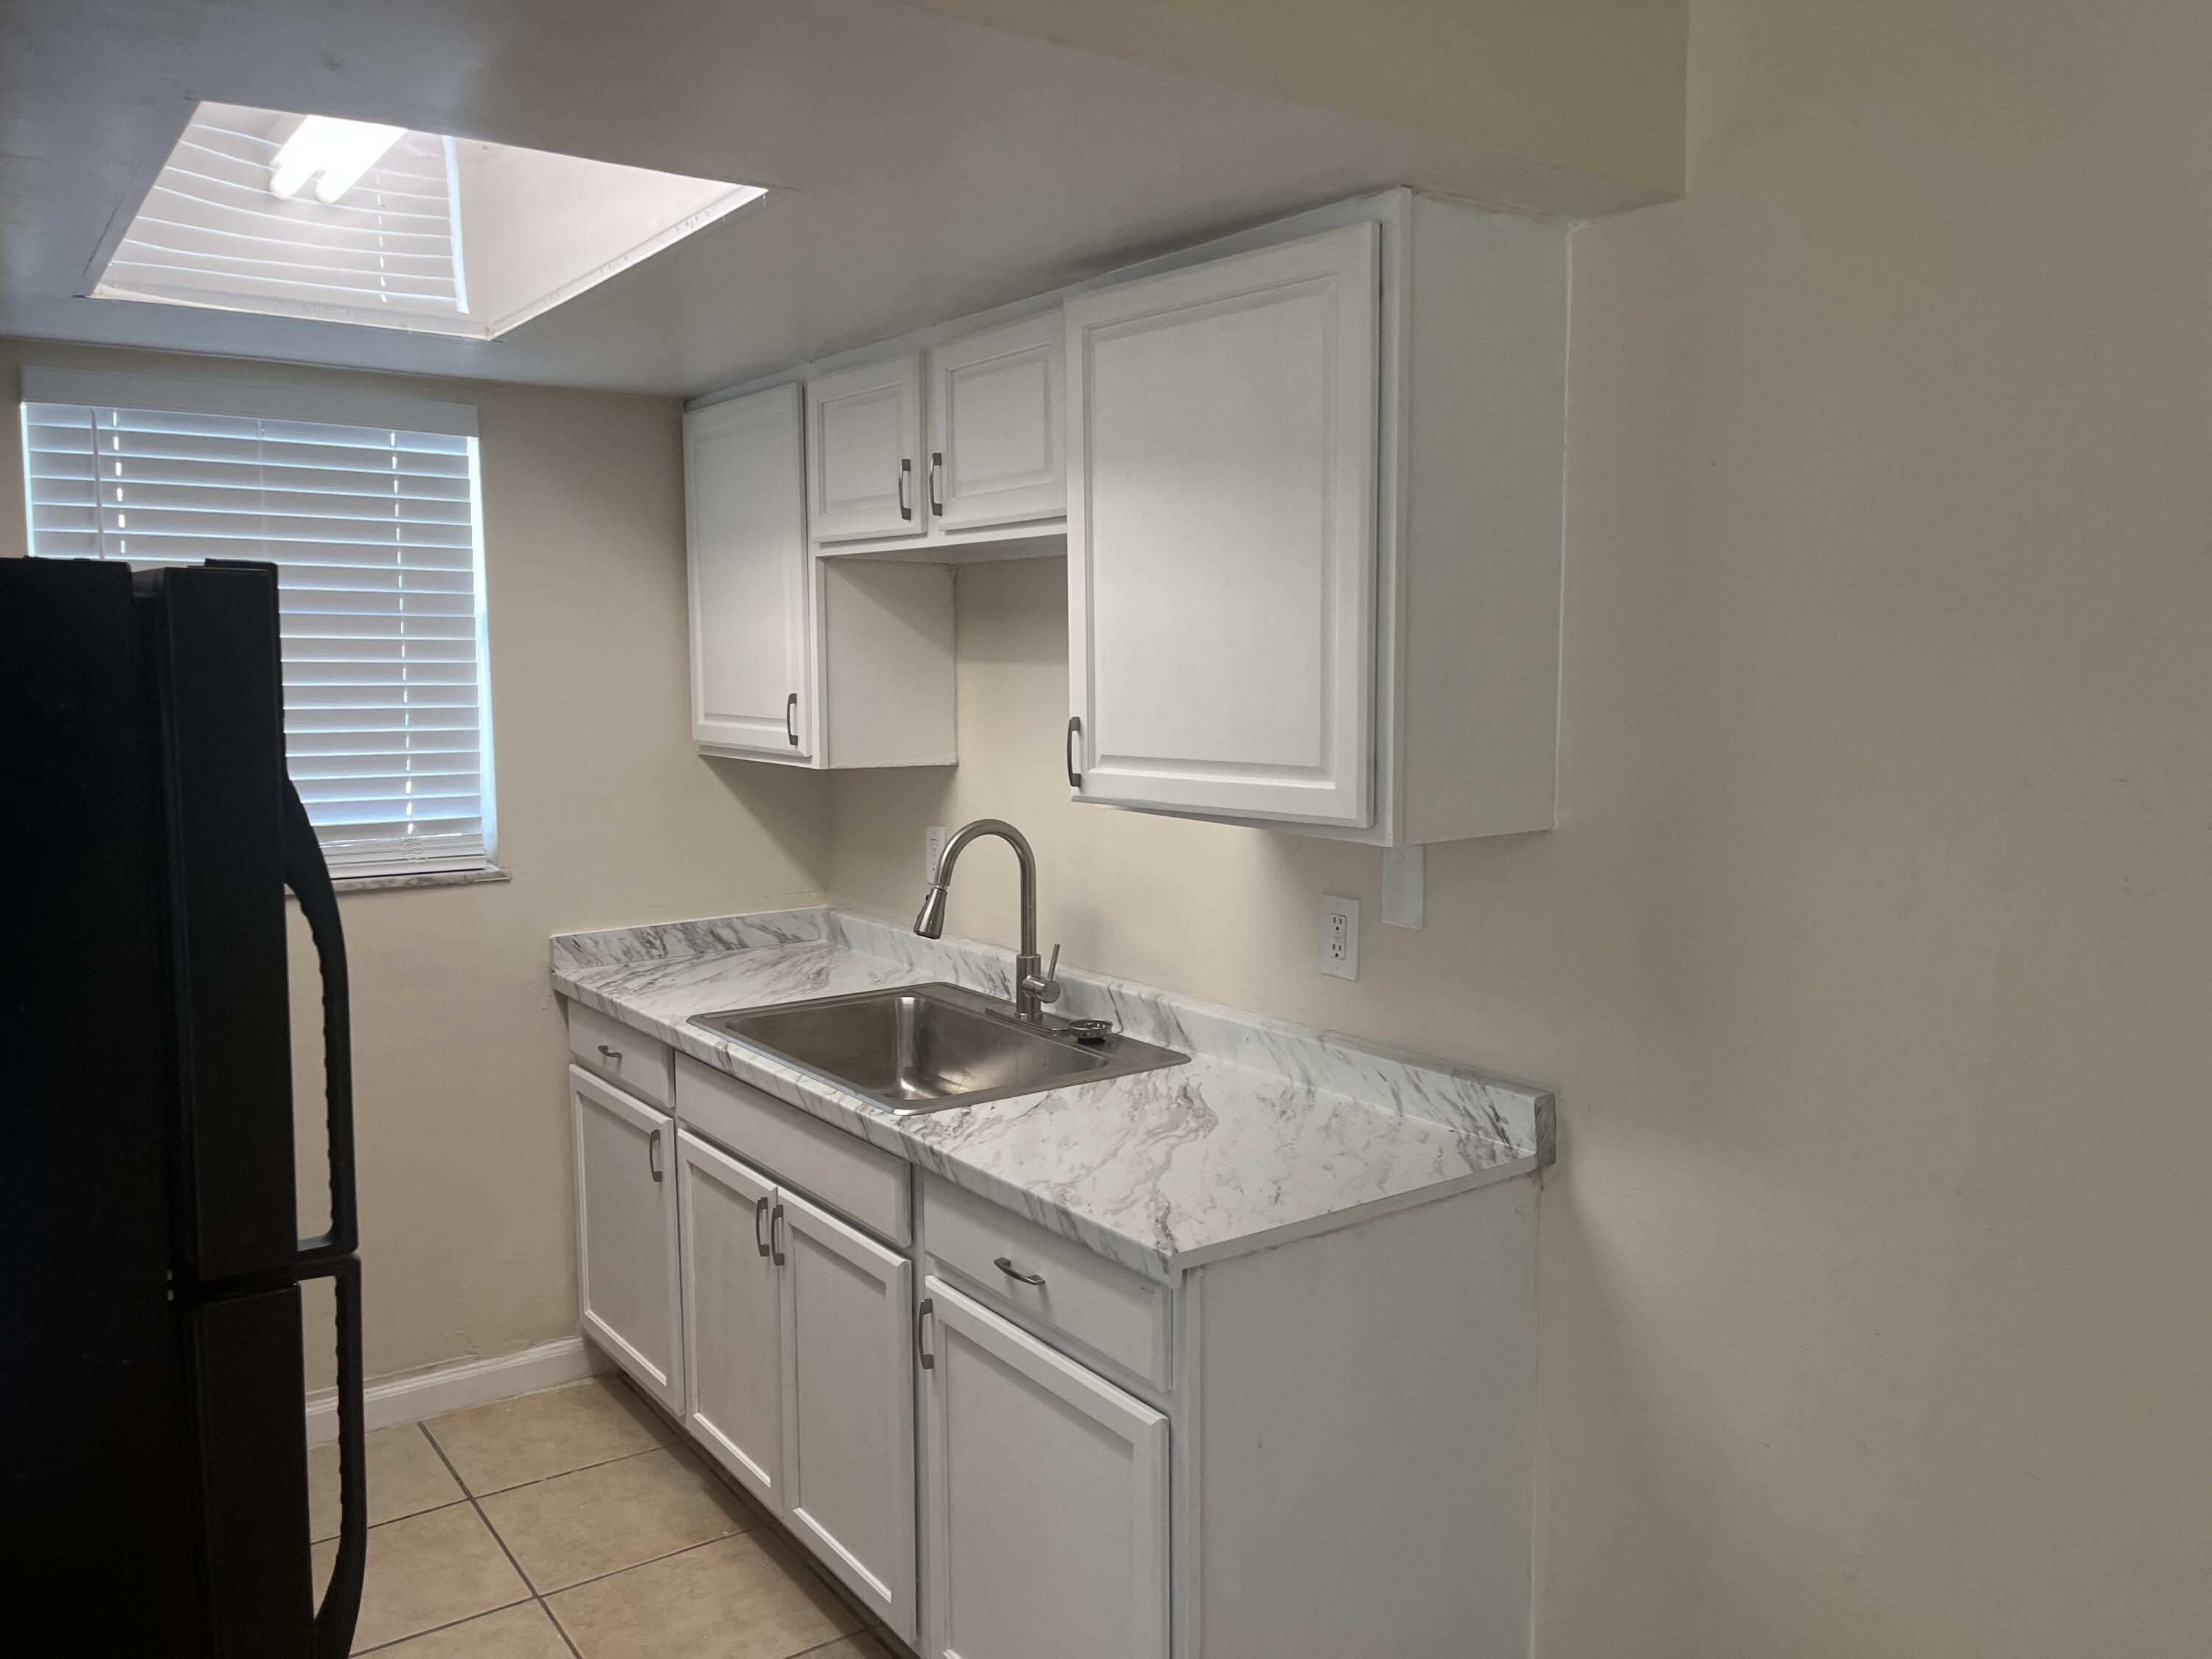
(341, 151)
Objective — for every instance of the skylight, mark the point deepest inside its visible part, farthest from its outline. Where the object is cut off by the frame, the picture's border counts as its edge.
(349, 221)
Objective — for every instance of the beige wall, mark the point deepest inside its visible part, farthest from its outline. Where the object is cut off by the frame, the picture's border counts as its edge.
(607, 815)
(1593, 85)
(1870, 960)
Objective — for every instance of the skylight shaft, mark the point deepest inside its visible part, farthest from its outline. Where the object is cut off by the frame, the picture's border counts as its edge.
(364, 223)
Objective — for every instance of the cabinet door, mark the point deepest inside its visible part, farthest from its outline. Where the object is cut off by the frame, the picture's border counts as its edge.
(864, 451)
(626, 1234)
(1221, 548)
(751, 595)
(732, 1317)
(998, 419)
(1047, 1498)
(848, 1415)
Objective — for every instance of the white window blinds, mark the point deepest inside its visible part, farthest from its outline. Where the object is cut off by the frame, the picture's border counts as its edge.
(374, 531)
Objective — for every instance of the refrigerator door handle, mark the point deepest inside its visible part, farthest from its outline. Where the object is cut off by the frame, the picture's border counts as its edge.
(341, 1609)
(332, 1255)
(309, 879)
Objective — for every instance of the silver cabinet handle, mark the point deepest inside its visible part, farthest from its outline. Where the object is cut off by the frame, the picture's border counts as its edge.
(936, 477)
(614, 1054)
(1074, 749)
(775, 1234)
(791, 719)
(906, 471)
(1007, 1268)
(926, 1312)
(760, 1214)
(653, 1154)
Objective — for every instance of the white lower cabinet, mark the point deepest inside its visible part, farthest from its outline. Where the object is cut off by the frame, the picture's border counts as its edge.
(1003, 1444)
(1047, 1492)
(848, 1426)
(732, 1317)
(798, 1335)
(626, 1243)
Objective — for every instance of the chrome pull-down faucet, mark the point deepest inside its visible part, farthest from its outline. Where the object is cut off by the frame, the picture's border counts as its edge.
(1035, 985)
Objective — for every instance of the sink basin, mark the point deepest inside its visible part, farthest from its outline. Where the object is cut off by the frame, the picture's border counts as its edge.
(926, 1048)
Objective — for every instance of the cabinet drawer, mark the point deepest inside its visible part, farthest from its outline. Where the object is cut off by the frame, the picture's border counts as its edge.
(1099, 1307)
(608, 1047)
(862, 1183)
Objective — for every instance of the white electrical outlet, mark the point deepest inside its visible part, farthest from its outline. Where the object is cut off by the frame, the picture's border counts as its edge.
(1339, 936)
(932, 848)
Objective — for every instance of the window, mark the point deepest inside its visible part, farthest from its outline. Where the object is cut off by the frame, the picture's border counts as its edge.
(369, 508)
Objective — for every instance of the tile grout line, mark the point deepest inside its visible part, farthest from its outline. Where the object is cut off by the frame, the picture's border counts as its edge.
(750, 1510)
(540, 1479)
(484, 1520)
(650, 1561)
(560, 1629)
(600, 1578)
(541, 1597)
(451, 1624)
(870, 1625)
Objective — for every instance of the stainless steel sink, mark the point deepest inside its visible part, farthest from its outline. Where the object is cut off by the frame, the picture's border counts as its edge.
(926, 1048)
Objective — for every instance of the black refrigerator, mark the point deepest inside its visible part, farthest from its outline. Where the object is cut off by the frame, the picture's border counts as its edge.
(156, 1467)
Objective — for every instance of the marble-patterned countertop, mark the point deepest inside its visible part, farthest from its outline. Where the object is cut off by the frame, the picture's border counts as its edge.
(1271, 1132)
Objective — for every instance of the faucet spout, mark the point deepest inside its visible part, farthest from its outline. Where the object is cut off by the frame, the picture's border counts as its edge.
(1033, 986)
(930, 923)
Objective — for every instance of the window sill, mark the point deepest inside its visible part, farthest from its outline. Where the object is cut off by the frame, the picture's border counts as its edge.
(425, 879)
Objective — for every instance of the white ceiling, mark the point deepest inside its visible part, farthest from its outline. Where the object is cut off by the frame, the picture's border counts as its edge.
(921, 168)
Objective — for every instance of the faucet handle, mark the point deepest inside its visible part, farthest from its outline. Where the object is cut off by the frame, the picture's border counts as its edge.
(1045, 987)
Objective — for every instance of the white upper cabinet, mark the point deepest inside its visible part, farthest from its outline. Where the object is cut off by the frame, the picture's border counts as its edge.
(955, 452)
(1221, 548)
(998, 423)
(1315, 515)
(794, 658)
(864, 452)
(1308, 479)
(751, 586)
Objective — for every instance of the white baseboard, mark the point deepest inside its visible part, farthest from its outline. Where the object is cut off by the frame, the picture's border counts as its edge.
(419, 1395)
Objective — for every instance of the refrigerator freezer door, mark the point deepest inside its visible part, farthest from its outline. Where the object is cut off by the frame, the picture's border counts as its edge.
(91, 1406)
(220, 773)
(248, 1389)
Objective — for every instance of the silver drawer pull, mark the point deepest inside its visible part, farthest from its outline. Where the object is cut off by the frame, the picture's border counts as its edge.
(614, 1054)
(1010, 1271)
(760, 1217)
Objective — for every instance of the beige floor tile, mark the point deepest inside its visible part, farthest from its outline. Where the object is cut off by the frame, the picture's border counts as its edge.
(425, 1571)
(611, 1515)
(511, 1440)
(746, 1597)
(850, 1647)
(406, 1477)
(518, 1632)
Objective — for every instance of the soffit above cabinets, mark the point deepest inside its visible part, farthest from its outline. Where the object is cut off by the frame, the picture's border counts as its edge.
(918, 167)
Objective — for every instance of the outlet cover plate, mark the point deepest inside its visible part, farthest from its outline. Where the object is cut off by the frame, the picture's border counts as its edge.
(1339, 936)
